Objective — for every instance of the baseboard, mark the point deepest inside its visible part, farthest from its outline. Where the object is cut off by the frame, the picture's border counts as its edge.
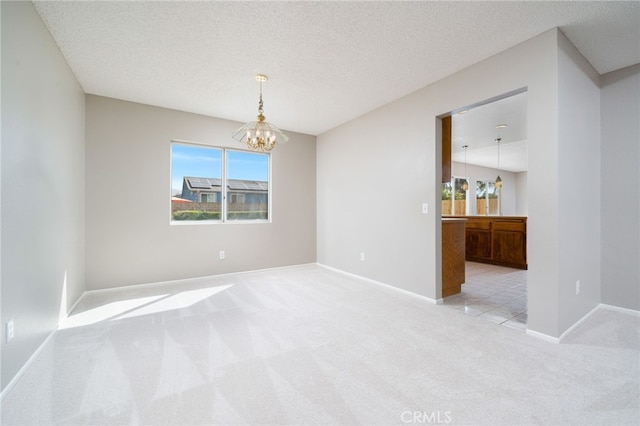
(578, 323)
(400, 290)
(542, 336)
(553, 339)
(191, 280)
(24, 368)
(620, 309)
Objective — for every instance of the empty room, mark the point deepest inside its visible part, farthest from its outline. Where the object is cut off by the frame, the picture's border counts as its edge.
(340, 213)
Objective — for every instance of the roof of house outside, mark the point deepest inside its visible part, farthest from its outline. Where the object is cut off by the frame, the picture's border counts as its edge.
(247, 185)
(214, 184)
(199, 183)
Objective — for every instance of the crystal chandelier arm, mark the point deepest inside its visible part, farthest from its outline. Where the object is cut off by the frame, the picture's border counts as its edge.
(281, 136)
(241, 134)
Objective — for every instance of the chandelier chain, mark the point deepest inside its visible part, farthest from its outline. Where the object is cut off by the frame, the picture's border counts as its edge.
(260, 103)
(498, 179)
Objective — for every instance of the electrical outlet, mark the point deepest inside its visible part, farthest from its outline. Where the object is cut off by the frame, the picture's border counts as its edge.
(10, 330)
(362, 256)
(577, 287)
(222, 255)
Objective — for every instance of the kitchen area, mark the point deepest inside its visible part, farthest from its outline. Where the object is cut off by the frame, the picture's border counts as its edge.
(484, 210)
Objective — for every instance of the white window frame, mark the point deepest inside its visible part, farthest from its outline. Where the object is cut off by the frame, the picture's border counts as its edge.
(223, 197)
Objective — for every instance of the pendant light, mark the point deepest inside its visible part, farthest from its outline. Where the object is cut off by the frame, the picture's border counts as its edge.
(498, 180)
(465, 184)
(260, 135)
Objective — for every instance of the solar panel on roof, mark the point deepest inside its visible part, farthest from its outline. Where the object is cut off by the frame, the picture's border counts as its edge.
(236, 184)
(232, 184)
(198, 183)
(247, 185)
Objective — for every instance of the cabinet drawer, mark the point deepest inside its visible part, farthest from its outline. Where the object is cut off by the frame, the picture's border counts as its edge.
(478, 224)
(516, 226)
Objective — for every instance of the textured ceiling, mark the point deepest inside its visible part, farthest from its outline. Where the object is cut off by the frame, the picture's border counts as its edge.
(328, 62)
(477, 128)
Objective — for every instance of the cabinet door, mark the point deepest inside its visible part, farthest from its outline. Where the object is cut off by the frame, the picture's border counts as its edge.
(478, 243)
(453, 267)
(509, 247)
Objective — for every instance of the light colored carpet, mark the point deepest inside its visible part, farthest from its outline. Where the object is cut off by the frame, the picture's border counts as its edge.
(308, 345)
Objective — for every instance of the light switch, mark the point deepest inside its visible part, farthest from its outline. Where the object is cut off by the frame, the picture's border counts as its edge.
(425, 208)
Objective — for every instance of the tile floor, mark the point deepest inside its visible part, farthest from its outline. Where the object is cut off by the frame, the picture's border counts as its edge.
(493, 293)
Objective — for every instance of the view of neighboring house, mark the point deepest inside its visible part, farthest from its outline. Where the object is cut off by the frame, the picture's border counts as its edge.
(208, 190)
(201, 190)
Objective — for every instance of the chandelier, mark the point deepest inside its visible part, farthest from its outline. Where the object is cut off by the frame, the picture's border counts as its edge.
(260, 135)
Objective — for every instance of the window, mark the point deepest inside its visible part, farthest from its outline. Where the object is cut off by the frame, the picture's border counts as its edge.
(454, 198)
(218, 184)
(247, 185)
(487, 198)
(236, 198)
(209, 198)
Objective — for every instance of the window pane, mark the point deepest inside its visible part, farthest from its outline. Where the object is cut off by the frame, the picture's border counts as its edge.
(460, 197)
(196, 182)
(447, 195)
(481, 198)
(247, 185)
(487, 198)
(481, 189)
(492, 197)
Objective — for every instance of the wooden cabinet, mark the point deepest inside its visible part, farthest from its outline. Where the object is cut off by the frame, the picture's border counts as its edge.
(453, 256)
(446, 149)
(478, 239)
(499, 240)
(509, 242)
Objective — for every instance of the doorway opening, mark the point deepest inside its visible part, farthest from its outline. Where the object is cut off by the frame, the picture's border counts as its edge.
(485, 183)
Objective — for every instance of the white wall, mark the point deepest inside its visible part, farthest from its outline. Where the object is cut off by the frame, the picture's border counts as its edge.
(129, 236)
(42, 184)
(397, 148)
(375, 172)
(578, 184)
(620, 152)
(509, 184)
